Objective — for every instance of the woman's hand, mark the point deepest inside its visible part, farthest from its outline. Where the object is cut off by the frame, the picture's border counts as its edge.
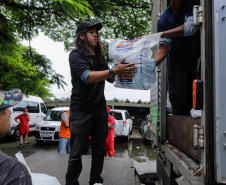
(125, 69)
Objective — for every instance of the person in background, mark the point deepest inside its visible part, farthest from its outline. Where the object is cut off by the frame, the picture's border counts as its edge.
(12, 171)
(88, 117)
(23, 126)
(109, 146)
(64, 133)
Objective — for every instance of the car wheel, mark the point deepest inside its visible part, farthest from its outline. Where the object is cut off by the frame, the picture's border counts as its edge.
(131, 131)
(144, 136)
(16, 134)
(128, 137)
(39, 141)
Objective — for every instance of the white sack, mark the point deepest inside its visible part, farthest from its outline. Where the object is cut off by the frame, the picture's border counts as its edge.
(38, 178)
(136, 51)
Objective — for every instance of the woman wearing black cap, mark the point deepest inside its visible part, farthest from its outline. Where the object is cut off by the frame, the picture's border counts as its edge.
(88, 105)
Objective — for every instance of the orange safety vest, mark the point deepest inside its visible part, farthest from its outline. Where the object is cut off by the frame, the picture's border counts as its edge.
(65, 132)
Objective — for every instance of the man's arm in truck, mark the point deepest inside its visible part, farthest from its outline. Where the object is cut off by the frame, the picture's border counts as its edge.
(186, 29)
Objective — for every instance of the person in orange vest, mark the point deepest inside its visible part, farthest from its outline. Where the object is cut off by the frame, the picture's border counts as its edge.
(109, 146)
(64, 133)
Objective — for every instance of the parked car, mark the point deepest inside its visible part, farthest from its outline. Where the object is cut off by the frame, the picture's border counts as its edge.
(144, 127)
(124, 123)
(48, 130)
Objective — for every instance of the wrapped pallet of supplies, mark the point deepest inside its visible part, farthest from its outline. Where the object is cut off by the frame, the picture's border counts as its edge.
(136, 51)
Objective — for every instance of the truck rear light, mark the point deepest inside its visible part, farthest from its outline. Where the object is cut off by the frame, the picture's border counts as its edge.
(124, 123)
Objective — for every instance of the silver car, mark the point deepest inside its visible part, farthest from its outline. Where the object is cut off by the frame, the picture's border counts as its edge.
(145, 127)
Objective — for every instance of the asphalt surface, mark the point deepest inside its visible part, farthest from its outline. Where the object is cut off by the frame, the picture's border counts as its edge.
(140, 151)
(135, 148)
(11, 147)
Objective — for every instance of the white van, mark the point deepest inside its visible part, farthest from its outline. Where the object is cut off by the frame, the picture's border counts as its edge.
(48, 130)
(36, 109)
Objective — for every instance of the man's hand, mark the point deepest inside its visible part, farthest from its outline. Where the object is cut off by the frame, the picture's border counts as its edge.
(16, 121)
(109, 126)
(28, 117)
(125, 69)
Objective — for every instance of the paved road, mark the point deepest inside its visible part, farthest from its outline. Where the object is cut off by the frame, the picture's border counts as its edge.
(142, 154)
(135, 148)
(11, 147)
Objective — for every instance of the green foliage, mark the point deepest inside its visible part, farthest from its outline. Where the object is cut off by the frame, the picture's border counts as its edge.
(33, 77)
(126, 19)
(22, 67)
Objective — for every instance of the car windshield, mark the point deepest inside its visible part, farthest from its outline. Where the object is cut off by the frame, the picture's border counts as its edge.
(116, 115)
(54, 115)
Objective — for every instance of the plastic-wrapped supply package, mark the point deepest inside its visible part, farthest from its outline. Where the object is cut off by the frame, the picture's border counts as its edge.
(196, 113)
(136, 51)
(38, 178)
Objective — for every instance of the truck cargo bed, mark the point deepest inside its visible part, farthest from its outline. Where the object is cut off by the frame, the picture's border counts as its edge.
(179, 133)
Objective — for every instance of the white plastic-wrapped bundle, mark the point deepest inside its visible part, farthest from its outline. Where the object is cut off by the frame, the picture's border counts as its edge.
(136, 51)
(38, 178)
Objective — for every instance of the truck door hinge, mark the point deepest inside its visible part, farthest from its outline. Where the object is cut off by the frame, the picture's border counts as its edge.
(198, 139)
(197, 15)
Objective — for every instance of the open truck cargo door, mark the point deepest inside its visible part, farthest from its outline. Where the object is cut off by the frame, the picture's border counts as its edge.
(219, 86)
(193, 150)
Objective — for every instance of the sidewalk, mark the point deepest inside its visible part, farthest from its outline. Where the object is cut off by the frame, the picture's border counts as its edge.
(116, 170)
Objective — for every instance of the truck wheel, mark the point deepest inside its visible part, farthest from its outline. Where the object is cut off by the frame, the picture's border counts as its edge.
(16, 134)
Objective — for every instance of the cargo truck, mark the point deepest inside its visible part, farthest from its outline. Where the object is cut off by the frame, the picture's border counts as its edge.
(193, 150)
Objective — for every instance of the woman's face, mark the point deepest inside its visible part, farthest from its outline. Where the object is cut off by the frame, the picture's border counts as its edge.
(4, 122)
(92, 38)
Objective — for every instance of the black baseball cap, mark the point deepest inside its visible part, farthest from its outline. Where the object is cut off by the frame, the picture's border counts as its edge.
(10, 98)
(88, 24)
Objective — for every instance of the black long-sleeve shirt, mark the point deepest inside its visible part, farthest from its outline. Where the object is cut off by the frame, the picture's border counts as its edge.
(86, 97)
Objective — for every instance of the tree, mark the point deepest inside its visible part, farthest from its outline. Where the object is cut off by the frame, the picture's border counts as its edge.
(21, 66)
(33, 76)
(58, 19)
